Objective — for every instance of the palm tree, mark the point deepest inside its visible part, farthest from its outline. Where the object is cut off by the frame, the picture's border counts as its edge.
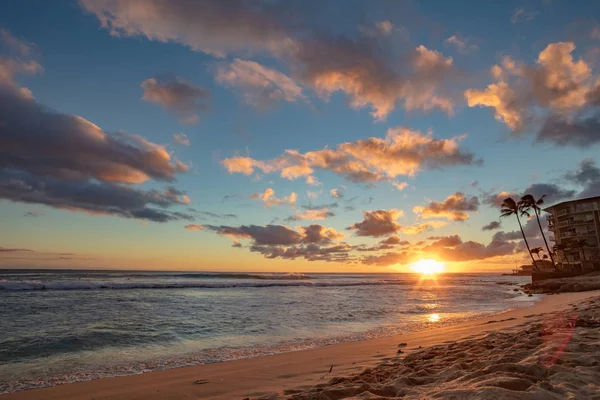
(537, 251)
(510, 207)
(529, 202)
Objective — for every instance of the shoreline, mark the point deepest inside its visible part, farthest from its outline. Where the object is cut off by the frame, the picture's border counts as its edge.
(262, 376)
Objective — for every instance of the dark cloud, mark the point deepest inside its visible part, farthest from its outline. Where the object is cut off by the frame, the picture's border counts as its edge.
(368, 73)
(553, 193)
(580, 131)
(101, 198)
(67, 162)
(454, 207)
(491, 226)
(320, 206)
(310, 252)
(586, 176)
(312, 242)
(43, 142)
(13, 250)
(495, 199)
(377, 223)
(177, 96)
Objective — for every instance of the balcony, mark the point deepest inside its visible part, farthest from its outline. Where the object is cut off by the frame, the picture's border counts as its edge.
(577, 234)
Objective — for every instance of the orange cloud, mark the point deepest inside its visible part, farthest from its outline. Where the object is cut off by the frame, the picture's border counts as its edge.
(557, 96)
(194, 227)
(269, 199)
(454, 207)
(401, 152)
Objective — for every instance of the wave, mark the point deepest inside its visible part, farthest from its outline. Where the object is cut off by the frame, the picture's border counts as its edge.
(6, 285)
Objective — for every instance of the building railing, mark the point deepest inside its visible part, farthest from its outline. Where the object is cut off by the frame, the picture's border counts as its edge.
(577, 234)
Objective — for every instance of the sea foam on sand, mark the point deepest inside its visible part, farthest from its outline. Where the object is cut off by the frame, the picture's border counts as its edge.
(555, 356)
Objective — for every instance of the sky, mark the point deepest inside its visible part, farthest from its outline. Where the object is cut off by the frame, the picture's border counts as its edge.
(279, 136)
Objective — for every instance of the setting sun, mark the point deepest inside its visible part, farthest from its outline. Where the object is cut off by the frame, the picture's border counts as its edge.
(428, 267)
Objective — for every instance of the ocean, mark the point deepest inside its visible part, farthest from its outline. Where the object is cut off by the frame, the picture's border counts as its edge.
(61, 326)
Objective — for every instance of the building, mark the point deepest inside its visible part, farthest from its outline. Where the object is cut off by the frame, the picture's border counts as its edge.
(576, 227)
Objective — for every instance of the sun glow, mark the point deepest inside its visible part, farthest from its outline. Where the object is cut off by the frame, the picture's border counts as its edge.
(428, 267)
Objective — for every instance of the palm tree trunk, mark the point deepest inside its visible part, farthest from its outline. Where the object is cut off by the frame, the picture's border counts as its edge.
(526, 242)
(545, 242)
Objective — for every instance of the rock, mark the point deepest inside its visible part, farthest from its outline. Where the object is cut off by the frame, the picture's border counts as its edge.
(402, 345)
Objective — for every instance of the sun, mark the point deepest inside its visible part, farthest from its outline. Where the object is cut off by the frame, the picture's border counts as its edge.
(428, 267)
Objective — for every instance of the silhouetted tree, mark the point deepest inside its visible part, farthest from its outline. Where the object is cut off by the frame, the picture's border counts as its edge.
(537, 251)
(510, 207)
(528, 202)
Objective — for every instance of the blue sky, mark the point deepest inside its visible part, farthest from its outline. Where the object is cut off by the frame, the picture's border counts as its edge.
(91, 73)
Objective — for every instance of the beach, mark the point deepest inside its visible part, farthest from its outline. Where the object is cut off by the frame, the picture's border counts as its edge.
(538, 343)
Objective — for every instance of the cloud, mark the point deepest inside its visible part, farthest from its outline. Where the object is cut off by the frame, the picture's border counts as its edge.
(553, 192)
(558, 97)
(385, 244)
(269, 199)
(336, 193)
(378, 223)
(312, 215)
(587, 176)
(213, 27)
(21, 48)
(49, 143)
(88, 196)
(13, 250)
(415, 229)
(183, 99)
(401, 152)
(311, 180)
(194, 227)
(313, 242)
(362, 72)
(258, 85)
(492, 226)
(454, 207)
(461, 44)
(66, 162)
(522, 14)
(384, 27)
(495, 200)
(369, 74)
(449, 248)
(181, 138)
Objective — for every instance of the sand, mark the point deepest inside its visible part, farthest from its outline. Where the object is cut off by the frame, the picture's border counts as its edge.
(549, 350)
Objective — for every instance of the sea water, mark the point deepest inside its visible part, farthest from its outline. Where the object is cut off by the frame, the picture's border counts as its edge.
(64, 326)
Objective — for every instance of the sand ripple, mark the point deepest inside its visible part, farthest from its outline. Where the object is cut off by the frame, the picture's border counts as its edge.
(558, 358)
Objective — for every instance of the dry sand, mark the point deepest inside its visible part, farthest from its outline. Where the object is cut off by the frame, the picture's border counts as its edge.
(540, 352)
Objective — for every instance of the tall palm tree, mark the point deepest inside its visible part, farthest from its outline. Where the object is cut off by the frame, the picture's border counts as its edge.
(528, 202)
(510, 207)
(537, 251)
